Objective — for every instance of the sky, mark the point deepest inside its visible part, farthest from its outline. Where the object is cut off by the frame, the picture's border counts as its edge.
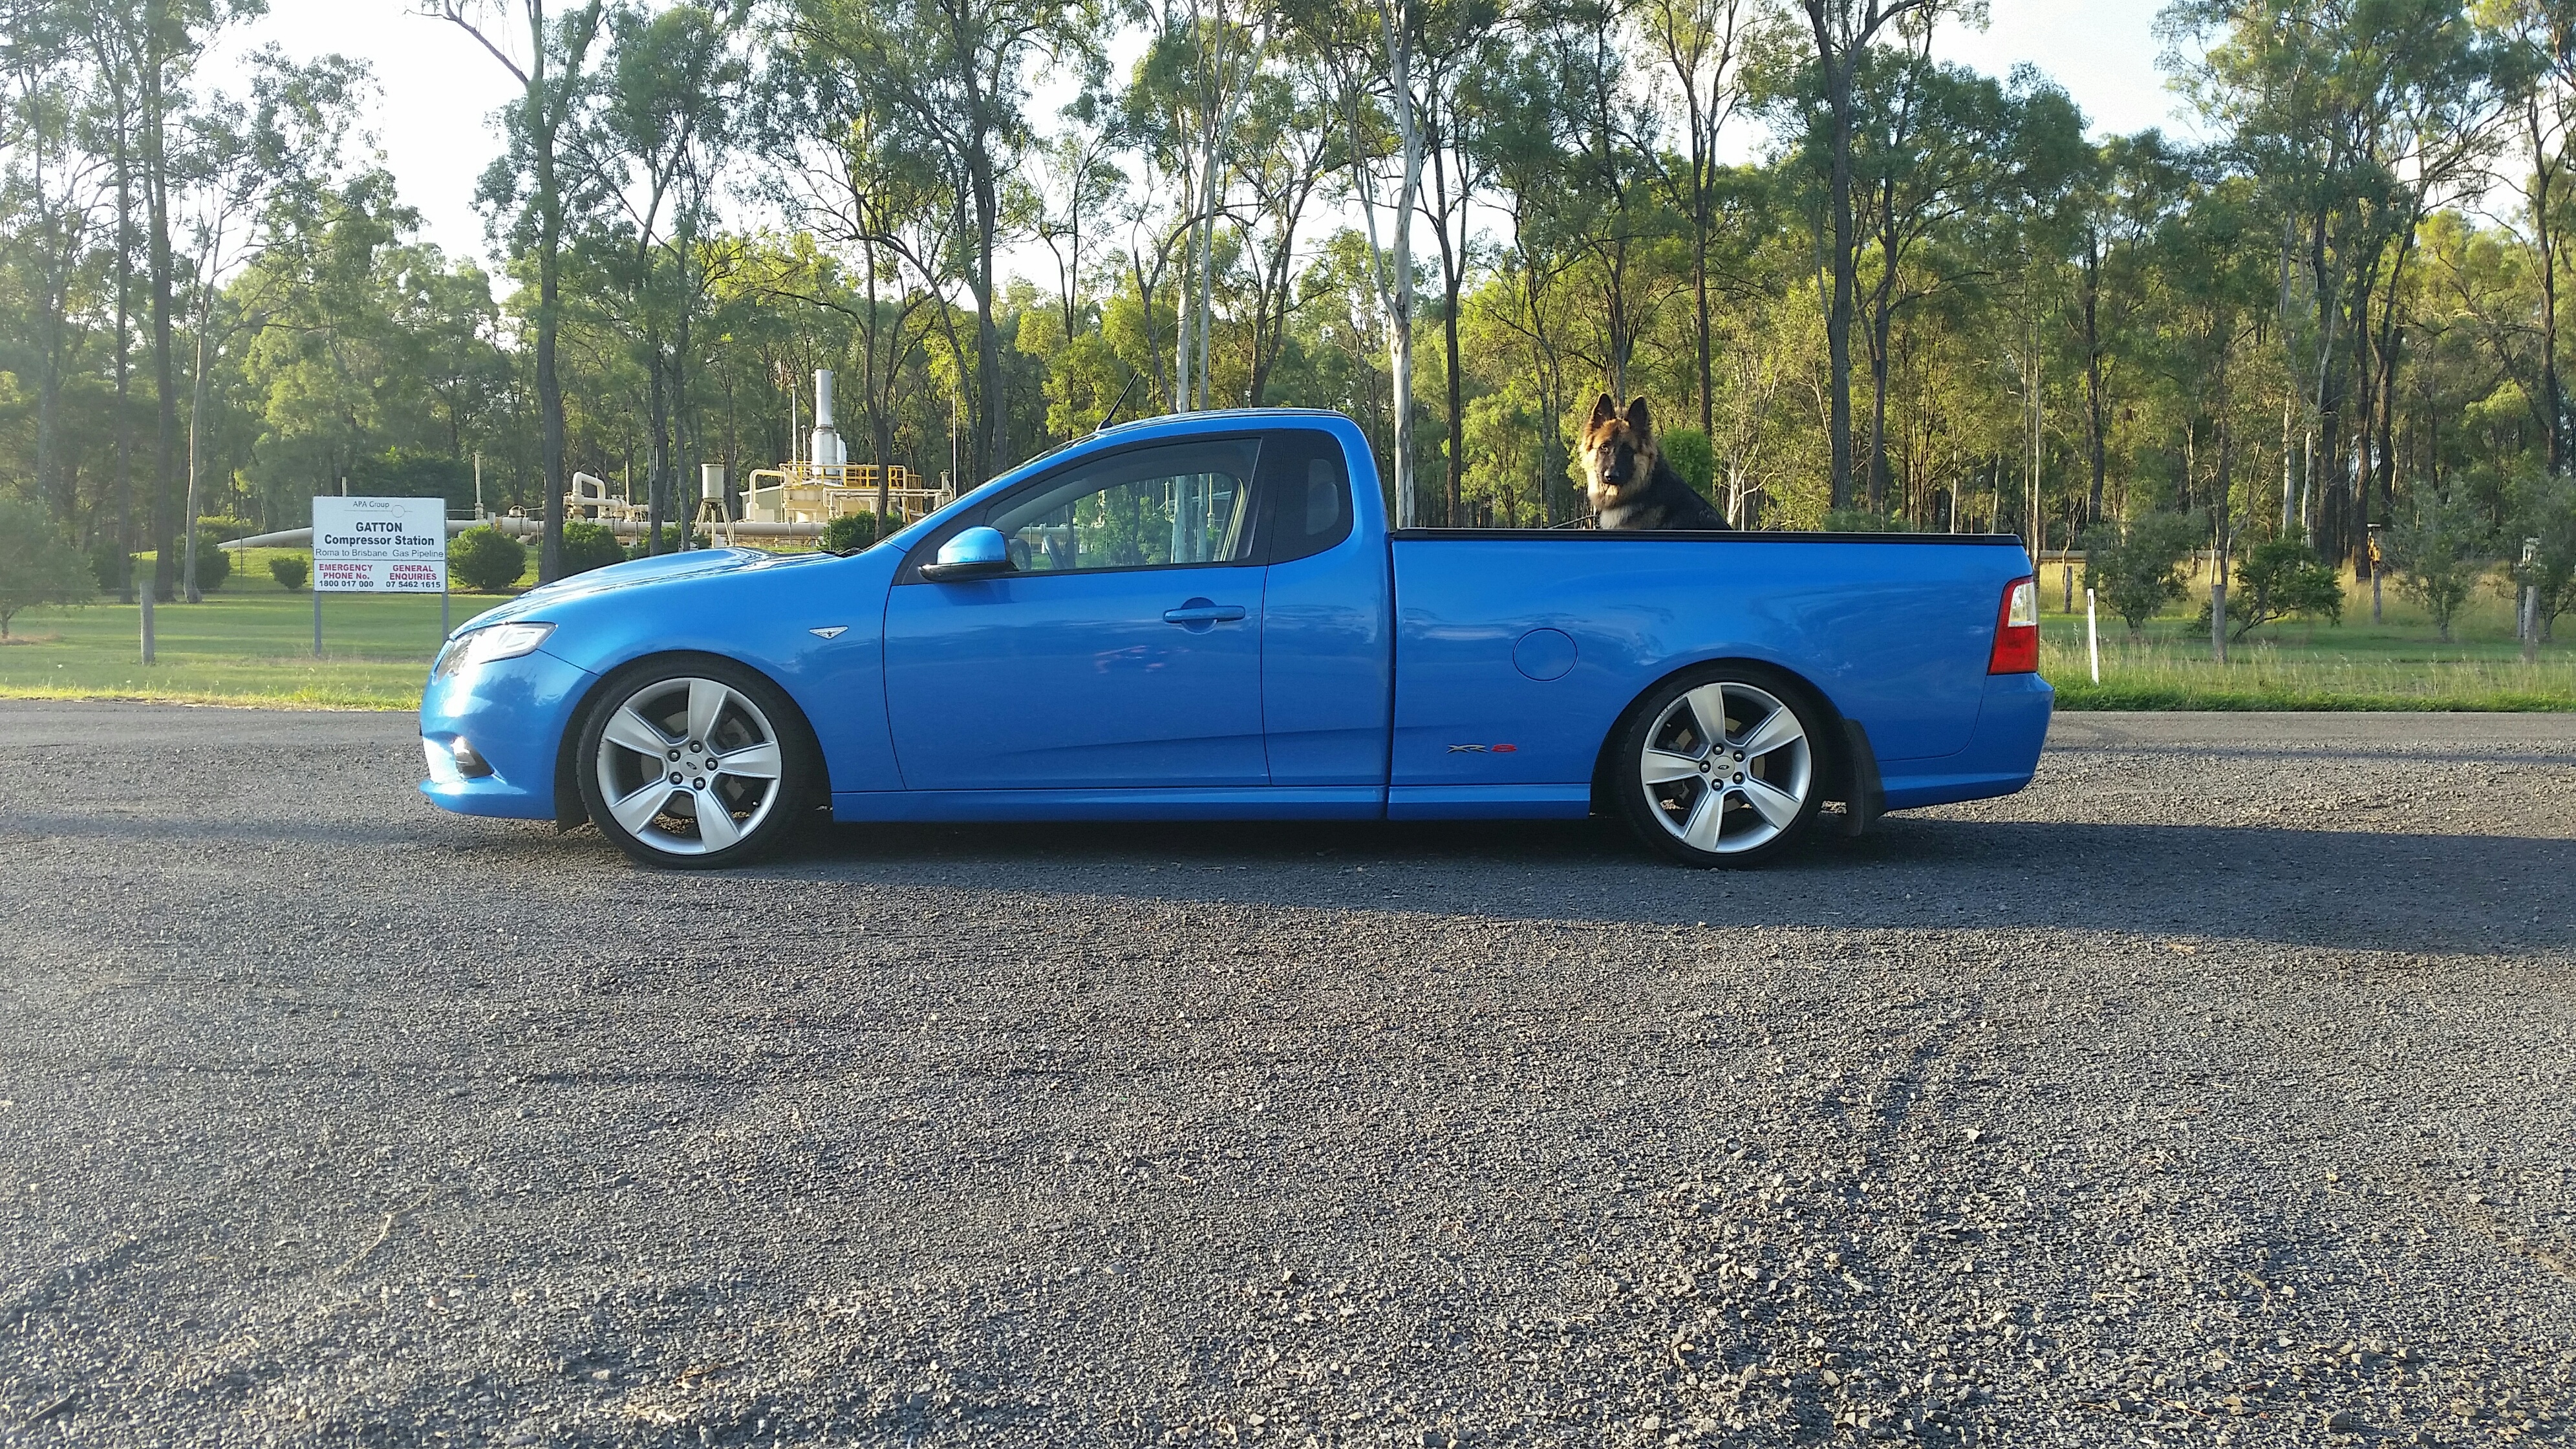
(439, 88)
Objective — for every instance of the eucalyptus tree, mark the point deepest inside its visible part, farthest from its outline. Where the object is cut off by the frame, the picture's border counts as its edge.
(1287, 148)
(525, 185)
(2123, 194)
(1370, 49)
(2536, 66)
(256, 175)
(957, 74)
(55, 193)
(1711, 48)
(674, 86)
(847, 165)
(1842, 33)
(2357, 118)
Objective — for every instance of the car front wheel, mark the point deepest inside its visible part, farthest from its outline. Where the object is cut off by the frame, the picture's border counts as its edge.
(695, 764)
(1721, 767)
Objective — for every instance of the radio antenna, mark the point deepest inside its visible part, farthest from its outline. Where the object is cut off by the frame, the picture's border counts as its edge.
(1120, 403)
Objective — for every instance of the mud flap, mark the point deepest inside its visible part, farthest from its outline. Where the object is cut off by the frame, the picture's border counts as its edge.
(1864, 799)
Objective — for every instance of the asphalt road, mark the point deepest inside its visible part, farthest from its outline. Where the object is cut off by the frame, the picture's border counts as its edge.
(2221, 1087)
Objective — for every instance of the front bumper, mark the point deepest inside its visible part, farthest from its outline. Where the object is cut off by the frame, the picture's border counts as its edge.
(515, 713)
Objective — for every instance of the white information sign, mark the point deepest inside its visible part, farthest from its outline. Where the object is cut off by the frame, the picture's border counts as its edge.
(379, 545)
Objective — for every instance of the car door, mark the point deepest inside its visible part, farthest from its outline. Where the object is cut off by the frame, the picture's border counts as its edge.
(1122, 652)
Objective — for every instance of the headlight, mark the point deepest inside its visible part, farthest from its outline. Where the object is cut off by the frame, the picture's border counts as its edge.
(494, 641)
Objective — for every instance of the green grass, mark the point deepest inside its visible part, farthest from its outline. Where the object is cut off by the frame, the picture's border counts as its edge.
(2399, 663)
(252, 643)
(249, 643)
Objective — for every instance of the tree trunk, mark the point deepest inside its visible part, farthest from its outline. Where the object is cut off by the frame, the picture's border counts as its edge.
(992, 444)
(196, 431)
(2094, 403)
(1838, 321)
(550, 411)
(156, 188)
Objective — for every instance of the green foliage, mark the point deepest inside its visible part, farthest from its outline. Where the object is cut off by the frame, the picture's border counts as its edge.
(487, 560)
(107, 564)
(290, 570)
(37, 565)
(2279, 580)
(2545, 508)
(588, 546)
(225, 527)
(1688, 450)
(2440, 552)
(214, 562)
(850, 532)
(1861, 520)
(2137, 568)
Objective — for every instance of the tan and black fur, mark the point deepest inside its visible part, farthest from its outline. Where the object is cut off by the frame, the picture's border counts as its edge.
(1629, 483)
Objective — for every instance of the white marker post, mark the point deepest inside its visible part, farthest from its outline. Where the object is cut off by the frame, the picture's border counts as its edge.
(2092, 637)
(379, 546)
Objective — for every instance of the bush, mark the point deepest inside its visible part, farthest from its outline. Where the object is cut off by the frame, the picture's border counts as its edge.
(290, 570)
(487, 560)
(107, 565)
(2546, 510)
(2137, 569)
(37, 565)
(2276, 581)
(2440, 552)
(850, 533)
(214, 561)
(588, 546)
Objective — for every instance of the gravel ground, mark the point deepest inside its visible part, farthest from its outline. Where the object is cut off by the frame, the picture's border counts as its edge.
(2220, 1088)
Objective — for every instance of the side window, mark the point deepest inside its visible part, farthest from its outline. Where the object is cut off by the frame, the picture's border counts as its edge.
(1310, 492)
(1185, 503)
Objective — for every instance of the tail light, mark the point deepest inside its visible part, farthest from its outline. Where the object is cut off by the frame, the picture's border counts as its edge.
(2017, 630)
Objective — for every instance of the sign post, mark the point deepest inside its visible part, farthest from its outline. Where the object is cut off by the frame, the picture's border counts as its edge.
(379, 546)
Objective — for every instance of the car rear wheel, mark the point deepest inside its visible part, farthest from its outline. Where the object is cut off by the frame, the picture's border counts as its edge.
(695, 764)
(1721, 767)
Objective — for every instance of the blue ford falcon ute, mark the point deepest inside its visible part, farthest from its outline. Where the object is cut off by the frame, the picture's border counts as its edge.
(1206, 617)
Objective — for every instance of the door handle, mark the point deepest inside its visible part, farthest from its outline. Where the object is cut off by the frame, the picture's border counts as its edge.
(1200, 611)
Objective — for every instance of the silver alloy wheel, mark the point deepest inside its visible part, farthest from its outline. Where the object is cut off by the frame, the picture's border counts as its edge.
(689, 766)
(1726, 768)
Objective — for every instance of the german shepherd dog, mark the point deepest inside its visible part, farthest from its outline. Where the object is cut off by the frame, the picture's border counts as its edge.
(1630, 484)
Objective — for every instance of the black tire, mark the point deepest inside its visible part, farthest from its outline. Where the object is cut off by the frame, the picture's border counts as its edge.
(1765, 795)
(671, 696)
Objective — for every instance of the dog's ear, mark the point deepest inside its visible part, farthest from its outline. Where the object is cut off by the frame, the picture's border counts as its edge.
(1638, 418)
(1603, 411)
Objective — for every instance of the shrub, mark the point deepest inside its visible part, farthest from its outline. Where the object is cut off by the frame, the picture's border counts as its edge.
(107, 565)
(37, 565)
(214, 561)
(850, 533)
(487, 560)
(2439, 555)
(289, 570)
(2547, 511)
(2137, 569)
(588, 546)
(2279, 580)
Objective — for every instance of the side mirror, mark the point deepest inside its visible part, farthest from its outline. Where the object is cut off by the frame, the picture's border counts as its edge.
(977, 553)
